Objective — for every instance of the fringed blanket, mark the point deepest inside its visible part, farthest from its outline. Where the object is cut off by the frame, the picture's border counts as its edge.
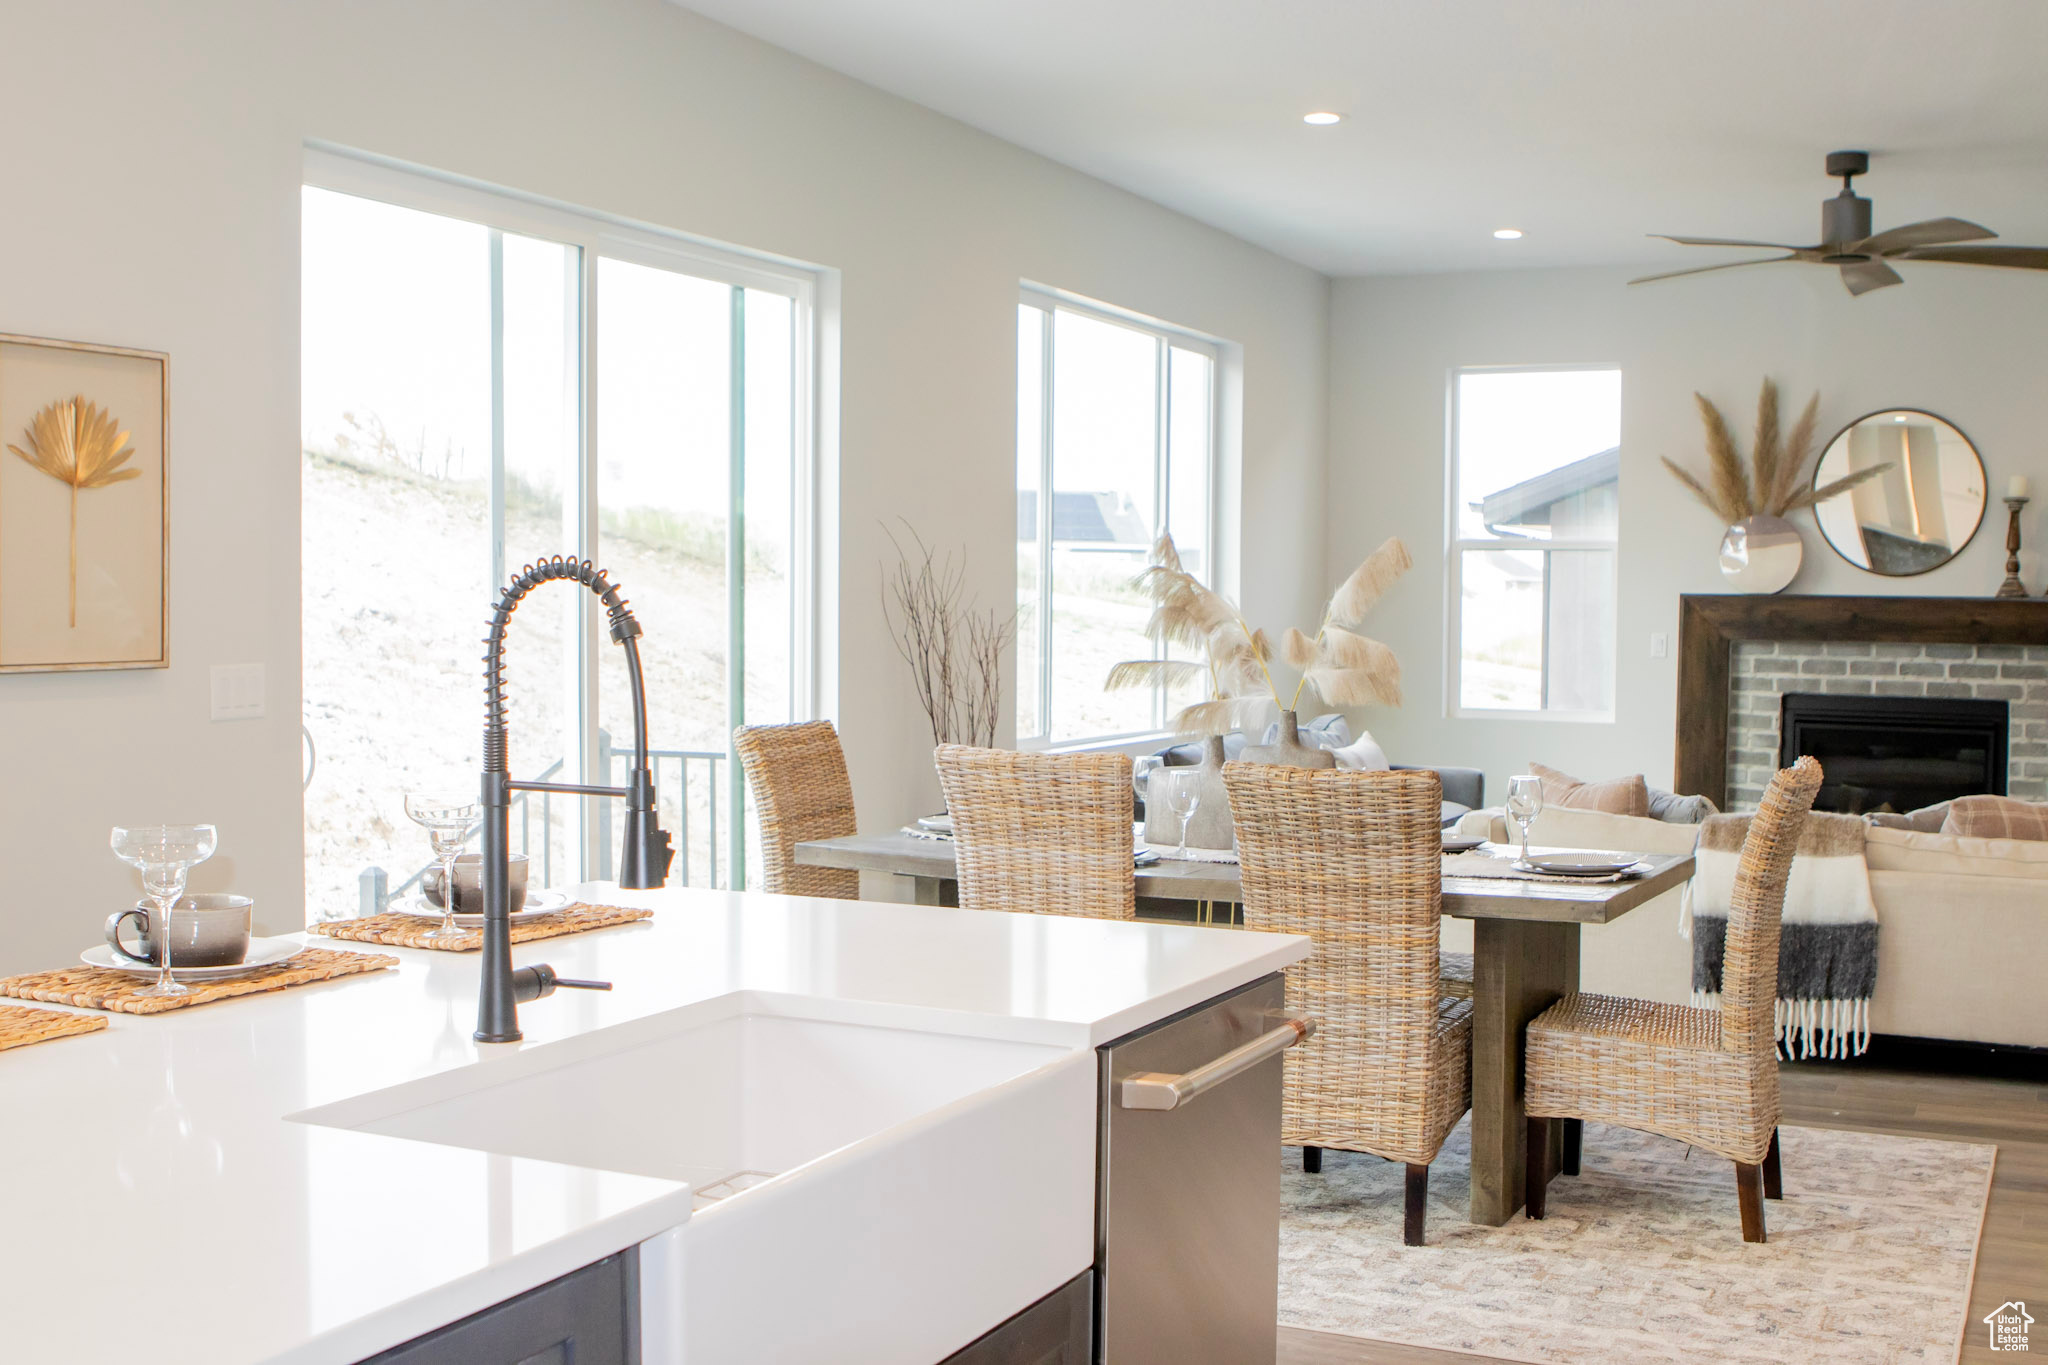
(1827, 951)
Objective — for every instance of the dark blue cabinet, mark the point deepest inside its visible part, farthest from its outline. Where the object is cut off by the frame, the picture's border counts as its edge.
(1057, 1330)
(588, 1317)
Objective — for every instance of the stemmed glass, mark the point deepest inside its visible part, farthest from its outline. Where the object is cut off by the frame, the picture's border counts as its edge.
(1525, 803)
(447, 821)
(1183, 798)
(1142, 769)
(164, 854)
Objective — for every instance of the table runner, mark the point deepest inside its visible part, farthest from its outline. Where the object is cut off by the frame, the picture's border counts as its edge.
(1477, 863)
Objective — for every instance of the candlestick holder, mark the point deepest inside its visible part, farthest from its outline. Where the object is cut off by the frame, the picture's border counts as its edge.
(2012, 587)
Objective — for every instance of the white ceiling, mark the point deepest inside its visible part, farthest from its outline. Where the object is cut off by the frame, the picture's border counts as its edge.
(1586, 123)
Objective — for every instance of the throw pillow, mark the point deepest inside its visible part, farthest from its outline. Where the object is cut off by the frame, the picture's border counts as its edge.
(1926, 820)
(1996, 817)
(1617, 796)
(1364, 754)
(1680, 810)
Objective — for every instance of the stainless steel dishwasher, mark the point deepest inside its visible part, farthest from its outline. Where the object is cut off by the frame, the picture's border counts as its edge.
(1187, 1235)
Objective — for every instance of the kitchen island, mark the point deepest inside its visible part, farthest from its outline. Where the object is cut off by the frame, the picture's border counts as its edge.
(319, 1175)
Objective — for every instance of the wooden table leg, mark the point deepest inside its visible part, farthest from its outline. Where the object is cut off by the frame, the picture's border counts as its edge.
(934, 891)
(1518, 968)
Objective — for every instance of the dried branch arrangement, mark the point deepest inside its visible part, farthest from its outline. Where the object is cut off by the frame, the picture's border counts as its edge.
(954, 648)
(80, 444)
(1776, 479)
(1341, 666)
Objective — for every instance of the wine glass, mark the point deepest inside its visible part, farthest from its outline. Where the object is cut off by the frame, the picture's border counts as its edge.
(447, 821)
(1183, 798)
(164, 854)
(1525, 803)
(1142, 769)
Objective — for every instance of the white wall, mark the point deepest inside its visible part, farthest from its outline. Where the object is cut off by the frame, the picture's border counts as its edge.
(153, 157)
(1965, 343)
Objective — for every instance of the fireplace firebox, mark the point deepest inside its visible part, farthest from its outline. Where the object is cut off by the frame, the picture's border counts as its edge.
(1895, 753)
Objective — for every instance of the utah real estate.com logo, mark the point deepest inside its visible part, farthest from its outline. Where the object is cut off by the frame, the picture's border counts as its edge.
(2008, 1326)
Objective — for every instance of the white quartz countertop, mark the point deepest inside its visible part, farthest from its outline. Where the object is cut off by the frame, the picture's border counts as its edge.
(158, 1203)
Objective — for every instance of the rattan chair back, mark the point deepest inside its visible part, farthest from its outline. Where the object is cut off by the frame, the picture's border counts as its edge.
(797, 774)
(1041, 833)
(1749, 966)
(1354, 860)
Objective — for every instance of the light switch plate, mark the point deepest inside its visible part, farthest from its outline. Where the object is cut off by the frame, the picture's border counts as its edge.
(1660, 645)
(237, 691)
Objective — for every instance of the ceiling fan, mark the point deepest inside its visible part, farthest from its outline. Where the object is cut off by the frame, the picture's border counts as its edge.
(1865, 259)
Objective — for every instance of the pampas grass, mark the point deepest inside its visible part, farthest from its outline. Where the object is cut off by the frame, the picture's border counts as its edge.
(1134, 673)
(1777, 477)
(1344, 668)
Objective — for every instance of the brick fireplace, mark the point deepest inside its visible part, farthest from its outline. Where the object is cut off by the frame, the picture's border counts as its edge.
(1763, 672)
(1739, 656)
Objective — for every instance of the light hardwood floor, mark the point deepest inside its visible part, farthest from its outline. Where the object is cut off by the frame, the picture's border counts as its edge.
(2012, 1261)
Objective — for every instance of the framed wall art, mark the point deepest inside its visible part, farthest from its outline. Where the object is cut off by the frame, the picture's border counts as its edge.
(84, 520)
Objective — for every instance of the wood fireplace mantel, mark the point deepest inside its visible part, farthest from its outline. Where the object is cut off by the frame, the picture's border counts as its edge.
(1709, 624)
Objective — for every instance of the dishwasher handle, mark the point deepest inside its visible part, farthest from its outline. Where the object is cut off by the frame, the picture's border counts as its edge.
(1162, 1090)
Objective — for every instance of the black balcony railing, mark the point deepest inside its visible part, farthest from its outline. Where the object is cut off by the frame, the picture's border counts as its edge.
(695, 803)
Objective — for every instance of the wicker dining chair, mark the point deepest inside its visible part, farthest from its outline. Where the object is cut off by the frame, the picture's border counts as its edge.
(1354, 860)
(797, 774)
(1708, 1077)
(1041, 833)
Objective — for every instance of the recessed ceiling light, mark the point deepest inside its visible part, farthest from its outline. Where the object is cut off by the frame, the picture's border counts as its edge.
(1507, 234)
(1322, 118)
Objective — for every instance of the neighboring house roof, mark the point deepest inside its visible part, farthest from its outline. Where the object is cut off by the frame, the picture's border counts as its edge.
(1528, 503)
(1106, 518)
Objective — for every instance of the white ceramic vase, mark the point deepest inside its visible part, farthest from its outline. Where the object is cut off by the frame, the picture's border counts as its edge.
(1761, 554)
(1287, 748)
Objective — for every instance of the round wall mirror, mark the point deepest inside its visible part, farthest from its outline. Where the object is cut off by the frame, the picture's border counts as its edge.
(1921, 507)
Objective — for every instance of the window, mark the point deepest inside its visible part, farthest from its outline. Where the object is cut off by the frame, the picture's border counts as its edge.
(467, 408)
(1535, 473)
(1116, 428)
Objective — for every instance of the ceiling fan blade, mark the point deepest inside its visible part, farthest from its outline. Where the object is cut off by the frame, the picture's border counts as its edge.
(1932, 232)
(1731, 241)
(1863, 276)
(2024, 257)
(1703, 269)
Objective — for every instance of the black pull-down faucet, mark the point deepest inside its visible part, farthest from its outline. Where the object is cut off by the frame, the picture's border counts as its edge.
(644, 860)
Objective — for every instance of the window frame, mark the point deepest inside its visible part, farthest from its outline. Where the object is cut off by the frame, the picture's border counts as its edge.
(1165, 336)
(597, 235)
(1459, 544)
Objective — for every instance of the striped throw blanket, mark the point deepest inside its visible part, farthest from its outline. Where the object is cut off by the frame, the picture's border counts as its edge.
(1827, 952)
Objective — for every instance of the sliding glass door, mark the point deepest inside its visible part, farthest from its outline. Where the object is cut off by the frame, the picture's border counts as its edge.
(694, 440)
(476, 397)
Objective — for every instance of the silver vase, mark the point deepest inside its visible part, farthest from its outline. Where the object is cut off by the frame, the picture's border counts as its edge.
(1210, 826)
(1288, 750)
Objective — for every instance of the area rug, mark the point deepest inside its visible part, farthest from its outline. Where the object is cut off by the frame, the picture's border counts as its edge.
(1641, 1258)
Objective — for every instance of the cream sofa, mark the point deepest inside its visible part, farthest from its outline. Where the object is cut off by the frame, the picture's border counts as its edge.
(1962, 946)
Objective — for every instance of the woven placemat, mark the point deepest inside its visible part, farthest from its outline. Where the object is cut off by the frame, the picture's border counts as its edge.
(396, 930)
(103, 988)
(20, 1025)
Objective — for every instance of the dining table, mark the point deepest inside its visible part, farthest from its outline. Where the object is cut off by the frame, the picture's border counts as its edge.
(1525, 956)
